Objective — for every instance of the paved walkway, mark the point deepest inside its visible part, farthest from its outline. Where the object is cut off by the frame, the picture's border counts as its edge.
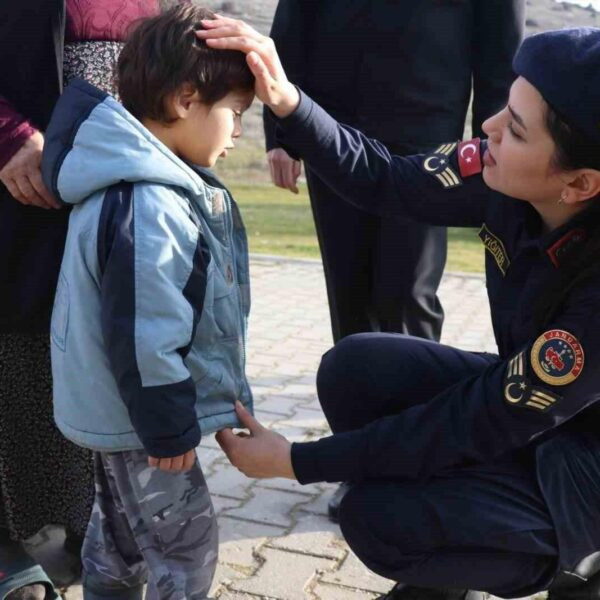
(275, 538)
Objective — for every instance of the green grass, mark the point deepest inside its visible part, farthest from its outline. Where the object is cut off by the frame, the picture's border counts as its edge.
(279, 222)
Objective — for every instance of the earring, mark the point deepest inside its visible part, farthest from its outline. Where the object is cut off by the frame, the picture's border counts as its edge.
(563, 198)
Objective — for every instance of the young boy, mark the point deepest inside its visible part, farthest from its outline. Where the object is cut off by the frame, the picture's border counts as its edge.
(149, 323)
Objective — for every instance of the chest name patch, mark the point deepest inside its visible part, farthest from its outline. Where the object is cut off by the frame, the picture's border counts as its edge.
(557, 357)
(495, 247)
(437, 164)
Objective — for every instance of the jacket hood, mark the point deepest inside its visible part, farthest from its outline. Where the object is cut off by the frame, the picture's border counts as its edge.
(92, 142)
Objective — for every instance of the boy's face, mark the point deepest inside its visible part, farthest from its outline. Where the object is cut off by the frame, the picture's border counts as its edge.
(205, 133)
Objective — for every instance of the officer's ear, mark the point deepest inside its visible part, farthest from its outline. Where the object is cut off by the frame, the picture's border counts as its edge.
(583, 185)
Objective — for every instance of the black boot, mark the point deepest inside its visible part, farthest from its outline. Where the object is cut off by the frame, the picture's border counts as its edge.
(409, 592)
(578, 590)
(580, 583)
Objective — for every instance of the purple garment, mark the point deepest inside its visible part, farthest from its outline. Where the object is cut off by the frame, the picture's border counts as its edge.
(15, 130)
(87, 20)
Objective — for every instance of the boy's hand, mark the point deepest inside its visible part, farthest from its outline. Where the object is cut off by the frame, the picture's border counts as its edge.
(261, 454)
(284, 169)
(272, 85)
(184, 462)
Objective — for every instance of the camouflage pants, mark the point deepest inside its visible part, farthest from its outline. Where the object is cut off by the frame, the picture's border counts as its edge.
(148, 525)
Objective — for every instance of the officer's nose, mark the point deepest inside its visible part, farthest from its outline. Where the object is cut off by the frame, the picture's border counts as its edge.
(492, 127)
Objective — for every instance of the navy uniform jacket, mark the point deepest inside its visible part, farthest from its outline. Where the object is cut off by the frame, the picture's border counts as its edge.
(402, 71)
(544, 381)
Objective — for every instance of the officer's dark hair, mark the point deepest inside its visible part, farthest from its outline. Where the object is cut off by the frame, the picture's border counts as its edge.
(574, 150)
(162, 53)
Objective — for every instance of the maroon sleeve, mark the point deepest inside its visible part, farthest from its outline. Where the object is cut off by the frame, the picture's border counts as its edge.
(15, 130)
(107, 20)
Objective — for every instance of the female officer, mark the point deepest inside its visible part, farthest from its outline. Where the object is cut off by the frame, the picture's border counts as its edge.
(470, 471)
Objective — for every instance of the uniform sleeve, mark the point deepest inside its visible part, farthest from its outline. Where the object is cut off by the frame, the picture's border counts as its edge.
(289, 32)
(543, 385)
(427, 188)
(154, 273)
(15, 130)
(498, 32)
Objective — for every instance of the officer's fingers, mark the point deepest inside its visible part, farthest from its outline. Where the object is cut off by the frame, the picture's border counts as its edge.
(263, 66)
(35, 178)
(225, 438)
(189, 458)
(153, 462)
(247, 419)
(272, 170)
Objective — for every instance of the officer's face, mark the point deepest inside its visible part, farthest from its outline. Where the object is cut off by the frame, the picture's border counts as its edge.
(519, 160)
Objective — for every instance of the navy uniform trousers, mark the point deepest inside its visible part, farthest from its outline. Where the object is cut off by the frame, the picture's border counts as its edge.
(476, 526)
(382, 274)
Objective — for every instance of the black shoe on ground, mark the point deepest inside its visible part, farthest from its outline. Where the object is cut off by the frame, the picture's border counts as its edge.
(333, 507)
(409, 592)
(565, 590)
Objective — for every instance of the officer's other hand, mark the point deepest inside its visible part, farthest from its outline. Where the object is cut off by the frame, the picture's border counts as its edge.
(183, 462)
(22, 175)
(260, 453)
(272, 86)
(284, 169)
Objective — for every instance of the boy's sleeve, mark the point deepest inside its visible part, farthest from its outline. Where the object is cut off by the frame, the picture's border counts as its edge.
(153, 261)
(443, 187)
(545, 383)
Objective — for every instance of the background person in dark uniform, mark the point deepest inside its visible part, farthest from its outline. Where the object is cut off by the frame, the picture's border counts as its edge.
(401, 72)
(470, 470)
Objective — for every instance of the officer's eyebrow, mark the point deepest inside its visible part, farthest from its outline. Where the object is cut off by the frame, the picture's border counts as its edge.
(517, 118)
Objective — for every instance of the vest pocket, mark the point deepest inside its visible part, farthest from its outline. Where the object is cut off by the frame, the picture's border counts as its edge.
(60, 314)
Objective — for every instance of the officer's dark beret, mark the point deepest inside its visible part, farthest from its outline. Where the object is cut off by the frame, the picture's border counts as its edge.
(564, 66)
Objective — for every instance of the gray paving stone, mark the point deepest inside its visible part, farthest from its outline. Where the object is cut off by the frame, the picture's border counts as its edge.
(325, 591)
(353, 574)
(312, 534)
(272, 507)
(288, 575)
(228, 481)
(238, 540)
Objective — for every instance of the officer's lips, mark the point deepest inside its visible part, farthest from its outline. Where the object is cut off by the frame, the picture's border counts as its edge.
(488, 159)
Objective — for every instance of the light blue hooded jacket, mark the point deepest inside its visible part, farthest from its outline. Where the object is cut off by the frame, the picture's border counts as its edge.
(149, 322)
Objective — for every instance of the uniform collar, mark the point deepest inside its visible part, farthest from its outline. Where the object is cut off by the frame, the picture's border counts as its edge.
(559, 243)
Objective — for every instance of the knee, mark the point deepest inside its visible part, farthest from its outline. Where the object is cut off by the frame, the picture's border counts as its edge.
(340, 362)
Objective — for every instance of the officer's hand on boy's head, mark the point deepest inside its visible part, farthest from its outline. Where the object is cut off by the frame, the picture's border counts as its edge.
(272, 86)
(183, 462)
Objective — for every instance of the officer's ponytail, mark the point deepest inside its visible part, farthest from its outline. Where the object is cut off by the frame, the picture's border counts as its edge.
(573, 151)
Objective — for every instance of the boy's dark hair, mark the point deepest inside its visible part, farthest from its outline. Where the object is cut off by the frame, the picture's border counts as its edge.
(162, 53)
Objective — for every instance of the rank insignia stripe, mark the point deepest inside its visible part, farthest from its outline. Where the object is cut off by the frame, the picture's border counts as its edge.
(437, 164)
(557, 357)
(518, 390)
(493, 244)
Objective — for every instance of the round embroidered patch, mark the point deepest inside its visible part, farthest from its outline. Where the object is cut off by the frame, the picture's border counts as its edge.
(557, 357)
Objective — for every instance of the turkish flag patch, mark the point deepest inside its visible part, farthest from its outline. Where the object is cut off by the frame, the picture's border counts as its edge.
(469, 158)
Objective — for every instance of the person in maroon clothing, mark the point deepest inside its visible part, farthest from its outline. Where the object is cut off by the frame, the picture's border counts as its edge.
(44, 479)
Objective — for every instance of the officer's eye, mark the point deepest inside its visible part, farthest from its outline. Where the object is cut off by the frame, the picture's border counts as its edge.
(513, 132)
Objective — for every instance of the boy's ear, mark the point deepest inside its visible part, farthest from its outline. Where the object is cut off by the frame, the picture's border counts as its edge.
(584, 186)
(180, 101)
